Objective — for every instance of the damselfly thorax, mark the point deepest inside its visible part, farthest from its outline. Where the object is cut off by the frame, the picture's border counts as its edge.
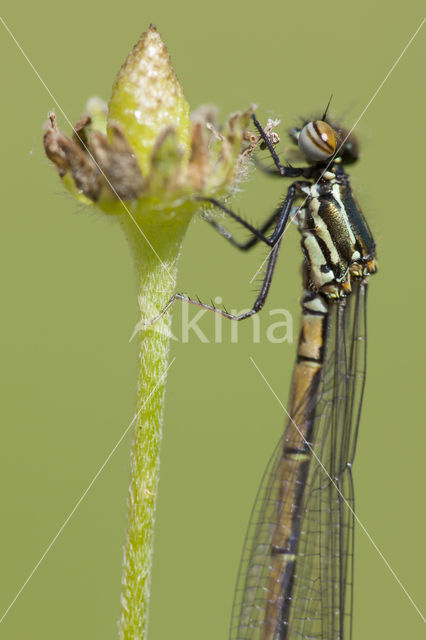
(336, 240)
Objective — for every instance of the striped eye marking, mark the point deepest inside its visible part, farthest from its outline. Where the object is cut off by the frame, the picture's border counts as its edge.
(317, 141)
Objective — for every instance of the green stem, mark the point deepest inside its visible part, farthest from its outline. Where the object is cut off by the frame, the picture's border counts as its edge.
(156, 276)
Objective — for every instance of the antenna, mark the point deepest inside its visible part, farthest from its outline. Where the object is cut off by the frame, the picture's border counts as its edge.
(326, 109)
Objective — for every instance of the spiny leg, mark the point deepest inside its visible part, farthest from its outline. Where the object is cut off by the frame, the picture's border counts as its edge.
(258, 303)
(251, 242)
(281, 171)
(281, 215)
(268, 143)
(274, 241)
(268, 170)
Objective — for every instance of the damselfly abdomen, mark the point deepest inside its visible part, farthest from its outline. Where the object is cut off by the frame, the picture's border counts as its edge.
(295, 578)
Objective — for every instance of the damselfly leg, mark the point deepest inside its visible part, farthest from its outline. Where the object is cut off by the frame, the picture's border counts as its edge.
(280, 216)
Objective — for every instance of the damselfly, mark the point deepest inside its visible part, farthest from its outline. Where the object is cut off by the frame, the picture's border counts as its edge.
(295, 578)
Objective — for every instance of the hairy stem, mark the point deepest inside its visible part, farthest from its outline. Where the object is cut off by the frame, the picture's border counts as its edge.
(156, 276)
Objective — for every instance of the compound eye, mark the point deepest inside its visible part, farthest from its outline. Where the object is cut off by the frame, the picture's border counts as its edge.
(317, 141)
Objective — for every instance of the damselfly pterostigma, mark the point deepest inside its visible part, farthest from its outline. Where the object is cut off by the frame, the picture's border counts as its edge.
(295, 578)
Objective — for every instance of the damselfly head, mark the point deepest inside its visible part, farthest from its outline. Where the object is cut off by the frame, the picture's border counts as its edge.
(318, 141)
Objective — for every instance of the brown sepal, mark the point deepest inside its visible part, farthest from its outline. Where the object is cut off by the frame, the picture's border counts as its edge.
(118, 164)
(199, 162)
(68, 156)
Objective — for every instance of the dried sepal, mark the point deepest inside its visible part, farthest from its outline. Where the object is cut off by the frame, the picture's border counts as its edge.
(199, 162)
(98, 169)
(165, 168)
(117, 163)
(70, 157)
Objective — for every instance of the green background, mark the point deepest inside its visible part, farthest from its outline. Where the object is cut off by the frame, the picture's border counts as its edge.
(69, 308)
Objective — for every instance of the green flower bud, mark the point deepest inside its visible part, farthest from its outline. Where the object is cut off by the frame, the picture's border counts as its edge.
(144, 149)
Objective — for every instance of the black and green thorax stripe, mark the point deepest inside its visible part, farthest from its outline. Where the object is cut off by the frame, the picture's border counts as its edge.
(336, 239)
